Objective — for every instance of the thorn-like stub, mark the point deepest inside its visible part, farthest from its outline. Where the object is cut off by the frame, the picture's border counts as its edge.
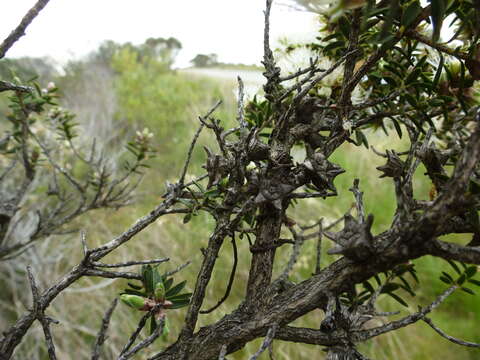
(394, 167)
(328, 324)
(355, 241)
(322, 172)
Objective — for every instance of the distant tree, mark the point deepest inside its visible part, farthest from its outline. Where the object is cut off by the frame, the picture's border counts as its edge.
(391, 73)
(160, 49)
(202, 60)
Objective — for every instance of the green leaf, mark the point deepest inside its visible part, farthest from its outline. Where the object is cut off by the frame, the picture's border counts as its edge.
(393, 69)
(467, 290)
(406, 286)
(474, 188)
(447, 275)
(181, 297)
(200, 187)
(397, 127)
(136, 287)
(176, 289)
(153, 324)
(411, 100)
(147, 276)
(362, 299)
(333, 45)
(445, 280)
(413, 75)
(436, 102)
(156, 277)
(37, 87)
(439, 8)
(455, 267)
(361, 138)
(344, 26)
(422, 61)
(368, 286)
(168, 283)
(187, 203)
(134, 301)
(474, 282)
(387, 288)
(438, 73)
(187, 218)
(411, 13)
(401, 269)
(331, 37)
(179, 304)
(378, 11)
(471, 271)
(399, 299)
(211, 193)
(134, 292)
(461, 279)
(166, 329)
(386, 32)
(160, 292)
(390, 80)
(362, 293)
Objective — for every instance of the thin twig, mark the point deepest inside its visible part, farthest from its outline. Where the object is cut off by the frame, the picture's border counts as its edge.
(8, 86)
(19, 31)
(133, 337)
(320, 77)
(414, 163)
(299, 239)
(266, 342)
(71, 179)
(223, 352)
(311, 195)
(230, 280)
(101, 336)
(41, 316)
(311, 69)
(358, 200)
(448, 337)
(378, 291)
(319, 247)
(112, 274)
(345, 96)
(442, 48)
(83, 238)
(270, 351)
(384, 155)
(268, 59)
(147, 342)
(195, 138)
(240, 104)
(394, 325)
(369, 104)
(298, 85)
(179, 268)
(130, 263)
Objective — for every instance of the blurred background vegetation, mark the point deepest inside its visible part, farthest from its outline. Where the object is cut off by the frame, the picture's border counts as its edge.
(123, 88)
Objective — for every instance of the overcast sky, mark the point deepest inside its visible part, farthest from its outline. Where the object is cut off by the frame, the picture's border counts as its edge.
(231, 28)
